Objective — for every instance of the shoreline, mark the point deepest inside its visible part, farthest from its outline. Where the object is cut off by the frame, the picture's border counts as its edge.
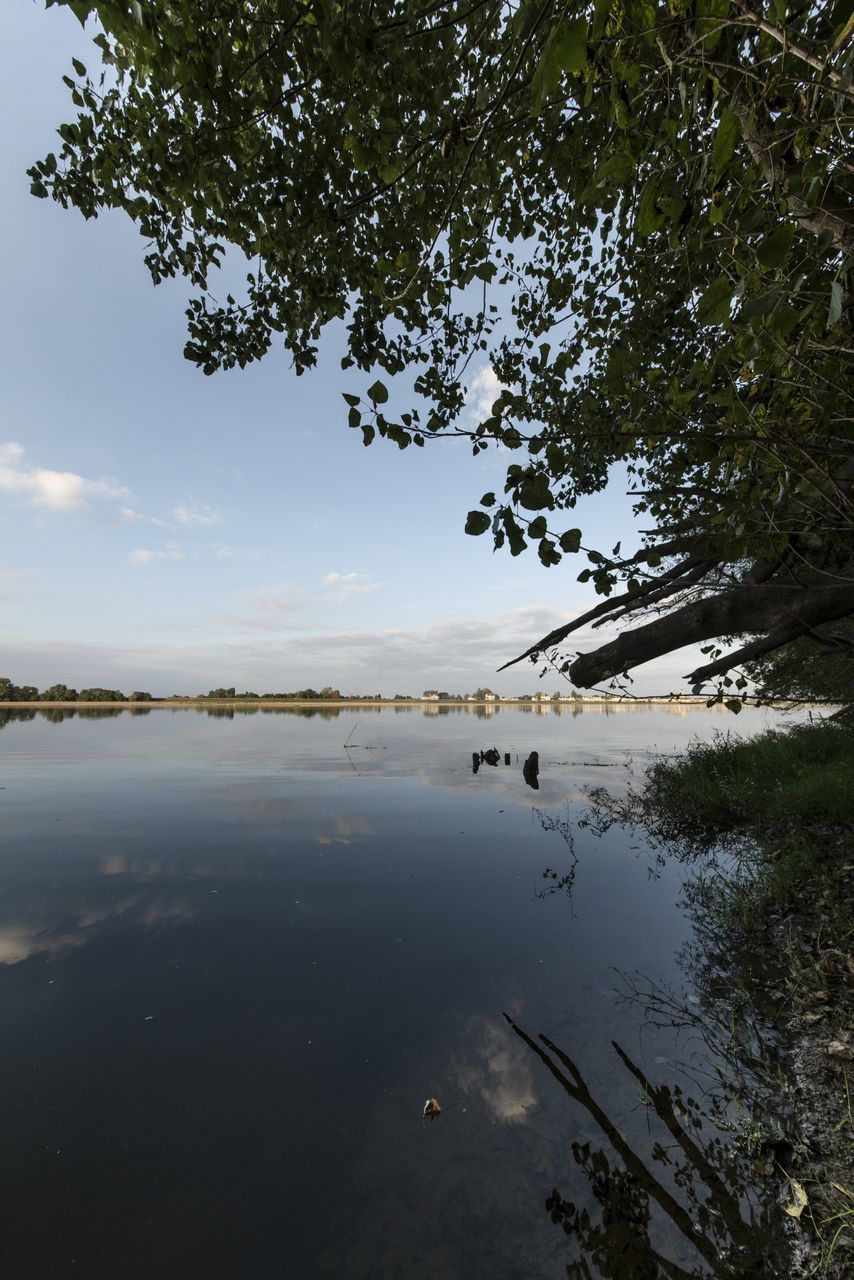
(171, 704)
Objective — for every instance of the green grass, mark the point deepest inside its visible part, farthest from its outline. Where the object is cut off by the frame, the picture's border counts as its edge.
(778, 782)
(781, 802)
(781, 807)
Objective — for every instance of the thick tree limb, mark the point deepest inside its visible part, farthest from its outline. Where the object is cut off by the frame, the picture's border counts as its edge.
(648, 594)
(748, 652)
(764, 608)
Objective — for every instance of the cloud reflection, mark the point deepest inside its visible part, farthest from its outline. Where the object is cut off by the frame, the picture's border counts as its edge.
(346, 831)
(54, 931)
(495, 1069)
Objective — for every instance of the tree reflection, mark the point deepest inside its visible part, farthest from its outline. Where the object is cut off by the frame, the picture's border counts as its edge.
(15, 713)
(702, 1195)
(555, 881)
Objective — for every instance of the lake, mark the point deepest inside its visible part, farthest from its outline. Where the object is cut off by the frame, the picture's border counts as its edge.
(239, 952)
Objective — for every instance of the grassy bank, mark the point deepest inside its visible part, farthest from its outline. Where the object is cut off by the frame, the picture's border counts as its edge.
(767, 785)
(780, 808)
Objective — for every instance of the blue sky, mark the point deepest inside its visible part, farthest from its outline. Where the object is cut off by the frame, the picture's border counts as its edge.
(167, 531)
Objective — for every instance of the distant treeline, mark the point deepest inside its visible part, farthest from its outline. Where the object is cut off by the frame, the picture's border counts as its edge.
(10, 692)
(326, 694)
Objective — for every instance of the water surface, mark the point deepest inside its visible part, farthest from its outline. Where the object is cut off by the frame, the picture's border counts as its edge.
(237, 953)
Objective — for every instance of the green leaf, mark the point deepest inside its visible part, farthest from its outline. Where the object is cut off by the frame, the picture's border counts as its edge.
(378, 393)
(537, 527)
(570, 42)
(845, 32)
(565, 51)
(601, 13)
(548, 553)
(714, 307)
(709, 21)
(614, 171)
(649, 218)
(351, 399)
(368, 433)
(477, 522)
(734, 705)
(535, 493)
(354, 418)
(78, 66)
(570, 541)
(488, 500)
(644, 16)
(774, 249)
(834, 314)
(726, 139)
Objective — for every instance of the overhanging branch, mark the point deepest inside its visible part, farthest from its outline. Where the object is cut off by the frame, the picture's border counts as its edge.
(765, 608)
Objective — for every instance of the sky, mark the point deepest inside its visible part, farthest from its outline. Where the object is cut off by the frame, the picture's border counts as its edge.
(165, 531)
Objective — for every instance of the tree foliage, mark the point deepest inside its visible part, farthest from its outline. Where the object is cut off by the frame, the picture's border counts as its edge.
(819, 667)
(636, 214)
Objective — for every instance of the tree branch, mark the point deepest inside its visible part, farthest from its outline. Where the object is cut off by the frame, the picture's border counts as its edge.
(757, 608)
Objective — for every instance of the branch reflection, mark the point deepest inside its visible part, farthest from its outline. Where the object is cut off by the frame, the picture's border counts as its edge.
(698, 1215)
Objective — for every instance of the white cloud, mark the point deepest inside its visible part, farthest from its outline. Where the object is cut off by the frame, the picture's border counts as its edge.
(274, 642)
(197, 514)
(56, 490)
(143, 556)
(128, 516)
(484, 391)
(350, 584)
(223, 551)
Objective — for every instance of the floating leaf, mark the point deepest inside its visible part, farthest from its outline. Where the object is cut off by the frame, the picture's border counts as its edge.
(431, 1108)
(800, 1200)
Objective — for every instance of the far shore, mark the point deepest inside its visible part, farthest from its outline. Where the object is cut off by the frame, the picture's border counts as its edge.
(172, 704)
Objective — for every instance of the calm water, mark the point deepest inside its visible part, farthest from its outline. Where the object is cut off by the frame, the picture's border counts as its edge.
(238, 954)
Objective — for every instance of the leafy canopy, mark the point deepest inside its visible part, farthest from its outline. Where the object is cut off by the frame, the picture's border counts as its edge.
(637, 215)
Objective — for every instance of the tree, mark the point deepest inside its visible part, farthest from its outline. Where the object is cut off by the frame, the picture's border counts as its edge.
(60, 693)
(140, 696)
(817, 668)
(658, 196)
(101, 695)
